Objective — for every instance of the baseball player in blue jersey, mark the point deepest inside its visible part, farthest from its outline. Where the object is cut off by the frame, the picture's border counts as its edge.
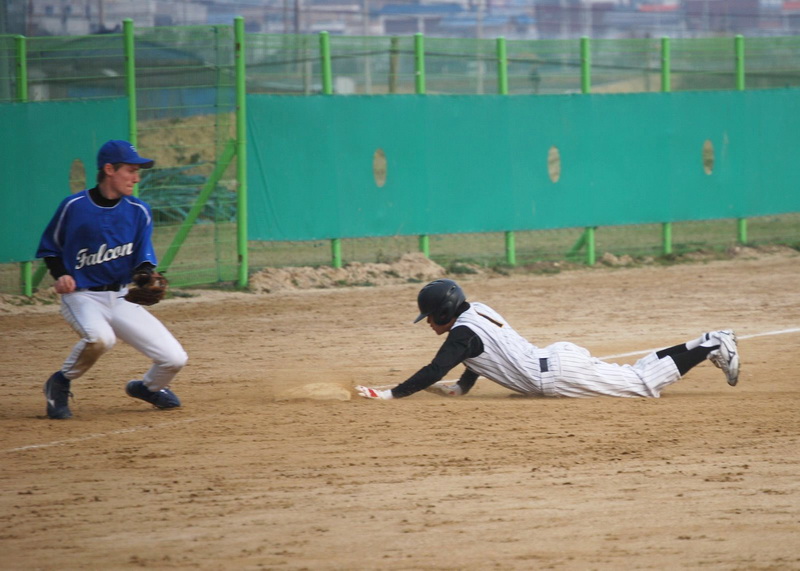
(95, 243)
(482, 339)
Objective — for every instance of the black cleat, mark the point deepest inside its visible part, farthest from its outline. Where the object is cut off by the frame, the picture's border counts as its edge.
(56, 391)
(164, 398)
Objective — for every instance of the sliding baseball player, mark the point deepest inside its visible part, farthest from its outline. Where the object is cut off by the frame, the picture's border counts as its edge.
(488, 346)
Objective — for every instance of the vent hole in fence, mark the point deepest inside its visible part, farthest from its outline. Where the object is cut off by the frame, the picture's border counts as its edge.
(554, 164)
(379, 167)
(708, 157)
(77, 176)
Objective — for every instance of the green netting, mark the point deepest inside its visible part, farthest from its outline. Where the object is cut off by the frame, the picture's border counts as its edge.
(626, 66)
(76, 67)
(283, 64)
(185, 94)
(372, 66)
(704, 63)
(772, 62)
(8, 69)
(544, 66)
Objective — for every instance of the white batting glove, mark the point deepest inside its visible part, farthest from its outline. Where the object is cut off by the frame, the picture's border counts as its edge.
(445, 389)
(369, 393)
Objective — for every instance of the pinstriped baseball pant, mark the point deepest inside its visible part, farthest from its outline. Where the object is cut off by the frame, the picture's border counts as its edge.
(573, 372)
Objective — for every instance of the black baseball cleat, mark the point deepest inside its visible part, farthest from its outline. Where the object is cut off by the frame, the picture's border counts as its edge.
(164, 398)
(56, 391)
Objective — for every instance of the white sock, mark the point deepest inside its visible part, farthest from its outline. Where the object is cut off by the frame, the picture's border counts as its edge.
(705, 340)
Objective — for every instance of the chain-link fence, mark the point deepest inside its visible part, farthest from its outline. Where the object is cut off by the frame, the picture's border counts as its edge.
(185, 108)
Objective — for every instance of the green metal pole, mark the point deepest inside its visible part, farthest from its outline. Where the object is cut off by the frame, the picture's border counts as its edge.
(502, 67)
(419, 63)
(327, 89)
(325, 57)
(579, 244)
(502, 89)
(666, 238)
(241, 150)
(22, 96)
(738, 44)
(666, 87)
(22, 69)
(586, 65)
(419, 88)
(511, 250)
(26, 274)
(591, 257)
(336, 252)
(739, 47)
(130, 78)
(130, 84)
(39, 274)
(586, 87)
(425, 245)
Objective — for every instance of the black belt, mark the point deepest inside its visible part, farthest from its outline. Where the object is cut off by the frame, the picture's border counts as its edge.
(111, 287)
(544, 366)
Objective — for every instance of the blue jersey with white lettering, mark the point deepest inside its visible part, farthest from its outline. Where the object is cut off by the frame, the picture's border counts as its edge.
(99, 245)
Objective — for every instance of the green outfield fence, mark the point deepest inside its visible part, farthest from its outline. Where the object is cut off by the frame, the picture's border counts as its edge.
(185, 88)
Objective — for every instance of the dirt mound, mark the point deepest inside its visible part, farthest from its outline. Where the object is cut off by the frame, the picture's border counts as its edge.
(414, 267)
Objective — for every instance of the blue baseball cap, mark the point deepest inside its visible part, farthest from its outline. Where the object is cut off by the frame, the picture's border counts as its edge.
(115, 151)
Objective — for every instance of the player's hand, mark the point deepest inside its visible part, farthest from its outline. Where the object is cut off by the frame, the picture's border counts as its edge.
(369, 393)
(446, 389)
(64, 284)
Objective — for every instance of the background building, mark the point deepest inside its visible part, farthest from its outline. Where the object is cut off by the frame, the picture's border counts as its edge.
(513, 19)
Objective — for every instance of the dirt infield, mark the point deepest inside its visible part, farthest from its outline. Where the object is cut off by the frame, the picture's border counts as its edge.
(259, 471)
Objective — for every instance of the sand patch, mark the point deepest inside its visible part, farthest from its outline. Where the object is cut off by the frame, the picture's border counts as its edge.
(316, 391)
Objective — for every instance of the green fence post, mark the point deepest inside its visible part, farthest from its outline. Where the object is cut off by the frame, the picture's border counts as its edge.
(336, 252)
(666, 238)
(666, 87)
(129, 49)
(586, 87)
(26, 277)
(502, 66)
(22, 69)
(419, 63)
(591, 257)
(325, 58)
(130, 78)
(25, 268)
(425, 245)
(327, 89)
(511, 249)
(502, 89)
(241, 150)
(739, 48)
(738, 44)
(419, 89)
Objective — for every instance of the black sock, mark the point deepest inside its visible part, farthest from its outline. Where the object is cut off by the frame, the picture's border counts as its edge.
(688, 359)
(669, 351)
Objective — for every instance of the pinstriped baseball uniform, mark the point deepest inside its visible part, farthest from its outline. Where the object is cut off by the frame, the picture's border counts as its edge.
(559, 370)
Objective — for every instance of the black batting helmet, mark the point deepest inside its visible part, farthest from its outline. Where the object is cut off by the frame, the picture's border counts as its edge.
(440, 299)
